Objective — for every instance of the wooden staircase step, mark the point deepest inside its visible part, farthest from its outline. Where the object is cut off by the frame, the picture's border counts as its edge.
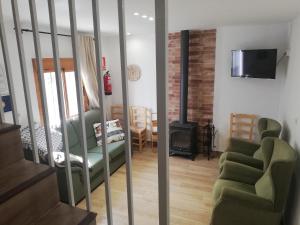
(5, 127)
(64, 214)
(11, 145)
(19, 176)
(31, 198)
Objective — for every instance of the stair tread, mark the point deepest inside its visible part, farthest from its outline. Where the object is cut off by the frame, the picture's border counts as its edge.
(66, 215)
(20, 175)
(5, 127)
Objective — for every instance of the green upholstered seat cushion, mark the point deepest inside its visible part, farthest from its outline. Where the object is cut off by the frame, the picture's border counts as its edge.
(221, 183)
(96, 163)
(95, 156)
(240, 158)
(114, 149)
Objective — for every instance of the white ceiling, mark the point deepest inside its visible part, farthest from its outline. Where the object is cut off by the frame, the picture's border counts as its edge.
(183, 14)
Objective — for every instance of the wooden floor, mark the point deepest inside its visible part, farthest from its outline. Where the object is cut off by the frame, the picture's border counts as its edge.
(190, 191)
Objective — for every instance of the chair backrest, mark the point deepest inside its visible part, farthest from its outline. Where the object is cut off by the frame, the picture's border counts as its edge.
(154, 123)
(268, 128)
(274, 184)
(242, 125)
(138, 116)
(117, 113)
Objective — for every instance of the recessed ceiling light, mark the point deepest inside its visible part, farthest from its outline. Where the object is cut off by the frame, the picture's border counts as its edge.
(128, 33)
(136, 14)
(144, 16)
(151, 18)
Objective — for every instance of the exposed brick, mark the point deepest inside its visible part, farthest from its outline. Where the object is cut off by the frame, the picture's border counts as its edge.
(201, 76)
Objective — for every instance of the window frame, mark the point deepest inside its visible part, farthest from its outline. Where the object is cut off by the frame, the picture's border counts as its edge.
(67, 65)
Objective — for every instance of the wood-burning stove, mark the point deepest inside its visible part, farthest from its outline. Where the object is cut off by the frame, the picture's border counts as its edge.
(183, 134)
(183, 139)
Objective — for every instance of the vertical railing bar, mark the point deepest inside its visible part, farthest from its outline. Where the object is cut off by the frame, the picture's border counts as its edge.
(2, 118)
(25, 79)
(8, 67)
(98, 51)
(60, 95)
(37, 46)
(123, 54)
(83, 141)
(161, 33)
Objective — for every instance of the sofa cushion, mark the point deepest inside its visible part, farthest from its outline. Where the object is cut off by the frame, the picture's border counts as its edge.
(221, 183)
(95, 156)
(91, 117)
(114, 132)
(74, 144)
(240, 158)
(115, 149)
(96, 163)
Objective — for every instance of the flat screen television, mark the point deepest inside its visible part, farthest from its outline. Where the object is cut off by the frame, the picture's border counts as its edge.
(254, 63)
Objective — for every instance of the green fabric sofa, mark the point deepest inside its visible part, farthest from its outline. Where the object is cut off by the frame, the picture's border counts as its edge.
(249, 153)
(244, 195)
(95, 157)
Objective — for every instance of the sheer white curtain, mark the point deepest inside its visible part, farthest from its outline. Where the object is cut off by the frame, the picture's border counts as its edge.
(88, 69)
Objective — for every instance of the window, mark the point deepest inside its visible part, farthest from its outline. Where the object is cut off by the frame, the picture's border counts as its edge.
(69, 90)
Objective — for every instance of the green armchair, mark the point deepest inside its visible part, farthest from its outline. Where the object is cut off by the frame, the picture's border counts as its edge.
(245, 195)
(249, 153)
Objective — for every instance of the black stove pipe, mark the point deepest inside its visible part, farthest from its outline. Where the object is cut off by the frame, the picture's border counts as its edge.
(184, 76)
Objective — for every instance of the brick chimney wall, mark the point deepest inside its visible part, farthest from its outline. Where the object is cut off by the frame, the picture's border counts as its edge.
(201, 76)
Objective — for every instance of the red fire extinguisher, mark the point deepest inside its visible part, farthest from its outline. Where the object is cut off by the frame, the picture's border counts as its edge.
(107, 83)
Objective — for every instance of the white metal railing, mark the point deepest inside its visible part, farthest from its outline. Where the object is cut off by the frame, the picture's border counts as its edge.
(97, 36)
(83, 141)
(123, 54)
(161, 68)
(14, 4)
(54, 39)
(40, 69)
(161, 34)
(6, 58)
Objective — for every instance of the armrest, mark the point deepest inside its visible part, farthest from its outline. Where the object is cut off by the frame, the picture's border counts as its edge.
(245, 198)
(240, 173)
(244, 159)
(242, 146)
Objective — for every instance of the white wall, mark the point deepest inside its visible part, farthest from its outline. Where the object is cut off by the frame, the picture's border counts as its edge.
(65, 51)
(141, 51)
(253, 96)
(110, 51)
(290, 115)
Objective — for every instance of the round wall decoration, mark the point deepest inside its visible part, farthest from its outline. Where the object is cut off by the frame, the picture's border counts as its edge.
(134, 72)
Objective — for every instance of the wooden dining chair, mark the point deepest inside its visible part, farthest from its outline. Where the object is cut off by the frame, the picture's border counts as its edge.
(138, 126)
(117, 113)
(242, 125)
(154, 133)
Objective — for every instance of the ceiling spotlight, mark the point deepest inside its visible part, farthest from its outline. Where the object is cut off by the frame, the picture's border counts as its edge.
(144, 16)
(151, 18)
(136, 14)
(128, 33)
